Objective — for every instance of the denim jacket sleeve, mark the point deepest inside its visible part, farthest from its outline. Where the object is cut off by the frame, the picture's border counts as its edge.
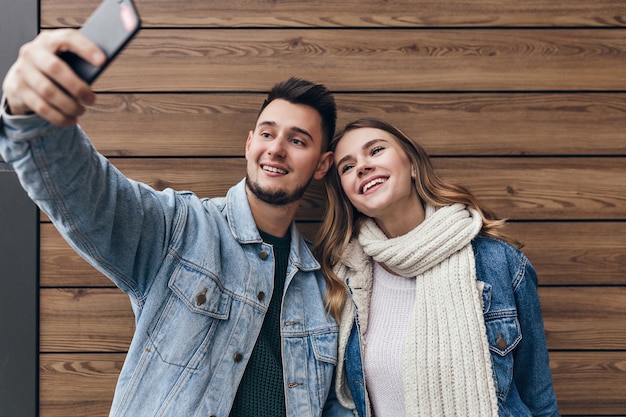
(93, 205)
(531, 366)
(513, 313)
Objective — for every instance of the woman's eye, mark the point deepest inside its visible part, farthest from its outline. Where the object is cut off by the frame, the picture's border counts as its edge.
(344, 168)
(376, 149)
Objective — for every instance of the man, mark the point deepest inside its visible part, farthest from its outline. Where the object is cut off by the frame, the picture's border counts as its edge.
(206, 277)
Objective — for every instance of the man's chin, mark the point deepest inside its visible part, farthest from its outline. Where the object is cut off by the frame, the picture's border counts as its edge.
(275, 196)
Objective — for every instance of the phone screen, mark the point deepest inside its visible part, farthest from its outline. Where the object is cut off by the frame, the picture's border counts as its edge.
(111, 26)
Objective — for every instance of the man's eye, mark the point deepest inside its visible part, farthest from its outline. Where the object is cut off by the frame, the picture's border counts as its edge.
(297, 142)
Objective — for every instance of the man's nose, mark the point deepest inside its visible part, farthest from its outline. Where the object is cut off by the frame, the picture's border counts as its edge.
(277, 147)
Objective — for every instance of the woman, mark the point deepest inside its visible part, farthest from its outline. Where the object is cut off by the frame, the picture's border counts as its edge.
(443, 317)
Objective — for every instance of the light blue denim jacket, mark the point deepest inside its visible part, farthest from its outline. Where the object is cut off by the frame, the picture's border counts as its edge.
(511, 311)
(198, 275)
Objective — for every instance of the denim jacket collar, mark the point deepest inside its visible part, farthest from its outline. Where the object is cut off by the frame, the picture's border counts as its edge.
(244, 229)
(239, 215)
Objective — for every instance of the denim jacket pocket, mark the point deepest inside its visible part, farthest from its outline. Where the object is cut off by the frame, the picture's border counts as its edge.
(196, 304)
(324, 345)
(503, 335)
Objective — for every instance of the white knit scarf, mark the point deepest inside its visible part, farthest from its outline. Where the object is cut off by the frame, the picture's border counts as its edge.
(446, 360)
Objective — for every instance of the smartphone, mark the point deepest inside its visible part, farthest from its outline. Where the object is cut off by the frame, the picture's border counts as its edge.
(111, 26)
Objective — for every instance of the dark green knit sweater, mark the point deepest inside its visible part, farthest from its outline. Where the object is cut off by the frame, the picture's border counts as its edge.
(261, 392)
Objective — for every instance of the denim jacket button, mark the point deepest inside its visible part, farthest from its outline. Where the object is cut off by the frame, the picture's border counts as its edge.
(263, 255)
(237, 357)
(501, 343)
(201, 298)
(260, 296)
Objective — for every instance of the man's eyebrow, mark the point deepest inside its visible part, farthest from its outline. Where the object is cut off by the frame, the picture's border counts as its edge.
(366, 145)
(294, 129)
(266, 123)
(304, 132)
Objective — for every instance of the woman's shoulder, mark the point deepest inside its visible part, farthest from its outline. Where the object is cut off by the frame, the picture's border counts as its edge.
(484, 245)
(497, 260)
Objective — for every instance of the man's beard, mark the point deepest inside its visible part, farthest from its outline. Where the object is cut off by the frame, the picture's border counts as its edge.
(279, 197)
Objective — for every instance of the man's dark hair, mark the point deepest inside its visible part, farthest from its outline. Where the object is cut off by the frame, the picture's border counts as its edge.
(298, 91)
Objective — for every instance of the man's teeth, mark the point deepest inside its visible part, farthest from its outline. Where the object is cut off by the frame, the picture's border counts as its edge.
(373, 183)
(273, 169)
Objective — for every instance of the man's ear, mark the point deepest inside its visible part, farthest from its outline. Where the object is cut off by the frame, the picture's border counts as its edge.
(247, 148)
(324, 164)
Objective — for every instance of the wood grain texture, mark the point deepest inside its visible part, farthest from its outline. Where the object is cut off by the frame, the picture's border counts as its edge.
(588, 318)
(589, 383)
(60, 265)
(326, 13)
(78, 385)
(574, 253)
(365, 60)
(82, 385)
(85, 320)
(444, 124)
(563, 253)
(544, 188)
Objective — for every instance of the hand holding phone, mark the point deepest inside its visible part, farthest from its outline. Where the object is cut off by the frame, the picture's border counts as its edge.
(111, 26)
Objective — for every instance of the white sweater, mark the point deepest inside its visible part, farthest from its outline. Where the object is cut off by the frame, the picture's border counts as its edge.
(391, 307)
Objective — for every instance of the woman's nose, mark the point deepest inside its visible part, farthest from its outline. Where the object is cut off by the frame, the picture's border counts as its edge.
(364, 169)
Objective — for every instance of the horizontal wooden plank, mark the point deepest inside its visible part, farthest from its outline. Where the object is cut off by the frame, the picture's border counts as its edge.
(60, 265)
(580, 253)
(563, 253)
(82, 385)
(515, 188)
(172, 124)
(544, 188)
(101, 320)
(85, 320)
(365, 60)
(590, 382)
(373, 13)
(77, 385)
(584, 317)
(444, 124)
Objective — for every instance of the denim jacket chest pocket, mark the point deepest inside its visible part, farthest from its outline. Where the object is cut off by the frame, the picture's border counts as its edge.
(196, 304)
(324, 344)
(503, 335)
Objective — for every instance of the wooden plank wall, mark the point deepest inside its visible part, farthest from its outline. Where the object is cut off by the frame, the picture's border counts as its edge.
(523, 101)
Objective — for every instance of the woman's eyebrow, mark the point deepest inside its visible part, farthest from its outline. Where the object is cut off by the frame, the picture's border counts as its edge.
(366, 145)
(342, 160)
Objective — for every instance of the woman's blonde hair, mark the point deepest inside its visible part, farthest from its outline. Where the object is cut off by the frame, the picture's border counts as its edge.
(342, 221)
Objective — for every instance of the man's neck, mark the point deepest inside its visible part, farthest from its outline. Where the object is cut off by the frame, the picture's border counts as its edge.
(270, 218)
